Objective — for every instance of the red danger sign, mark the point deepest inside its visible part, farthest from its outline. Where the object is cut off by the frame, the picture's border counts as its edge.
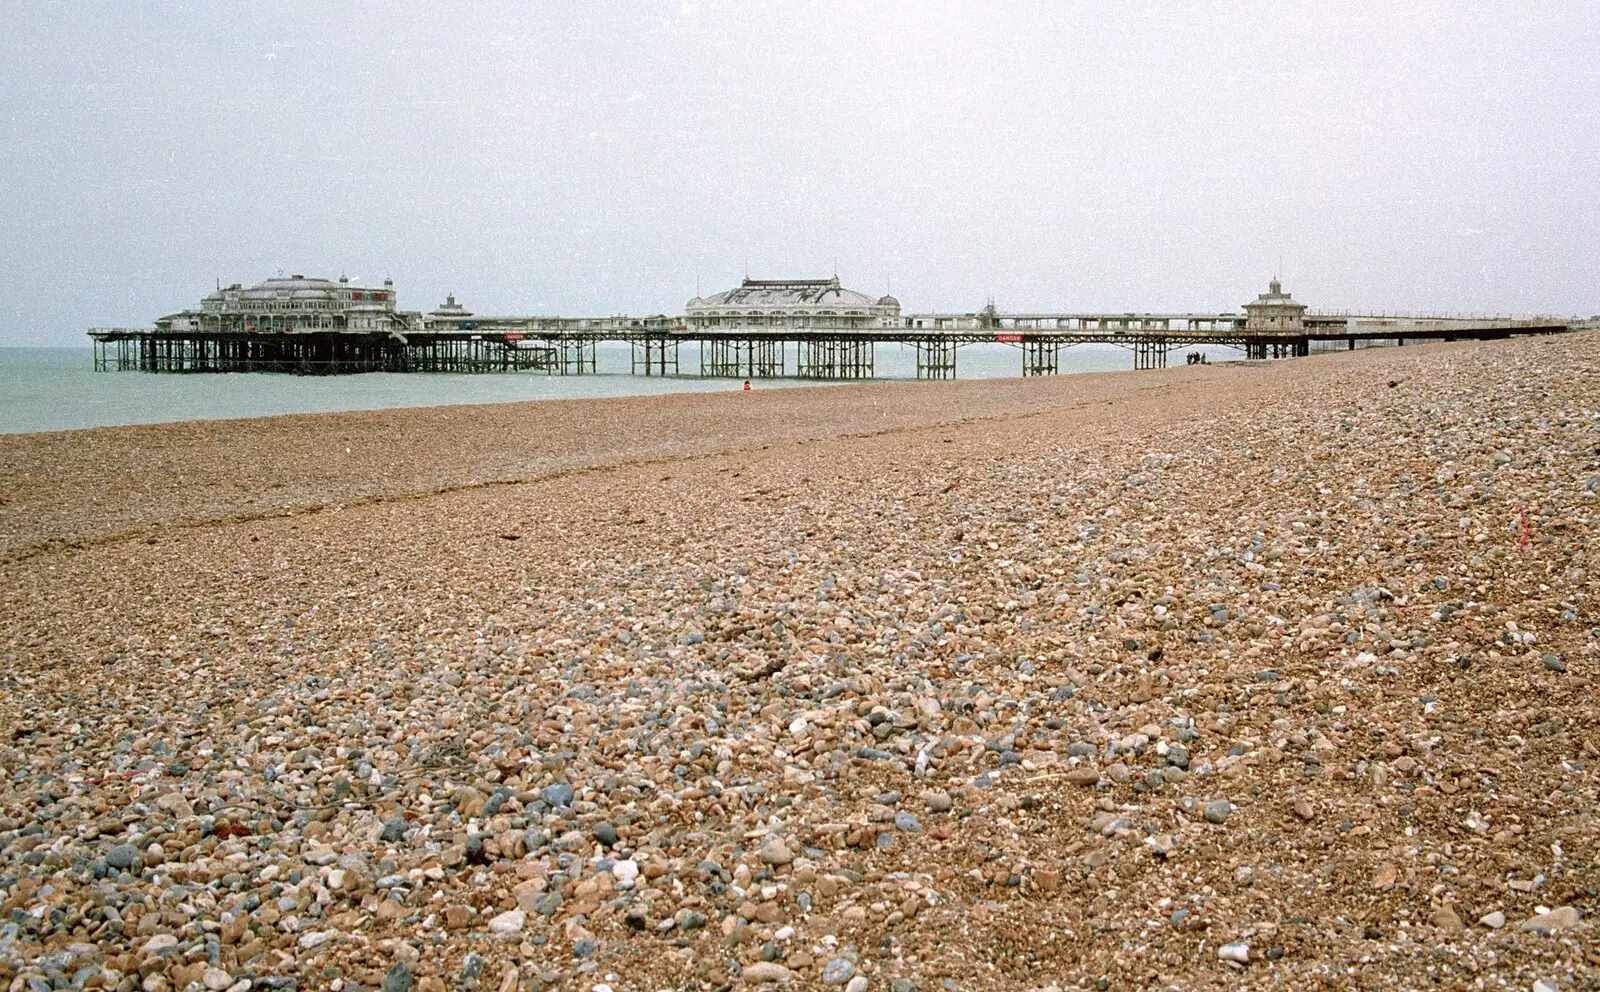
(514, 336)
(1008, 338)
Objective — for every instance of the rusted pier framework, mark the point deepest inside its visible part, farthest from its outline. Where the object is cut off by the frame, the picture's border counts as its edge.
(575, 356)
(936, 358)
(567, 346)
(1040, 356)
(655, 356)
(742, 358)
(334, 354)
(826, 357)
(1150, 353)
(1298, 348)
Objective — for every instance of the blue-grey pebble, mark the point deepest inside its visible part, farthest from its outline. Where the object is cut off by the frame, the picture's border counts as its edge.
(838, 971)
(125, 857)
(398, 978)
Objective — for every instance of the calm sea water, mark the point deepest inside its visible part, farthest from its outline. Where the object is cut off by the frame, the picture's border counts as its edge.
(46, 389)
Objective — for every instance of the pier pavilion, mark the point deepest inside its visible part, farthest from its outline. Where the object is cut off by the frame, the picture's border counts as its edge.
(296, 304)
(770, 303)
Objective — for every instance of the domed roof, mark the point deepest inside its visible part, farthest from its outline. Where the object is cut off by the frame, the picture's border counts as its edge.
(1274, 298)
(279, 286)
(888, 301)
(450, 308)
(784, 293)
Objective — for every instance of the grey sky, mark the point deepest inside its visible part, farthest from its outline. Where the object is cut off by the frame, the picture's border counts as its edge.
(596, 157)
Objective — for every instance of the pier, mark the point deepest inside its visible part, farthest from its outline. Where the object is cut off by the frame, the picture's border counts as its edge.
(809, 329)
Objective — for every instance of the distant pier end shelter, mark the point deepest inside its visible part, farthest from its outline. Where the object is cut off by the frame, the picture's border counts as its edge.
(296, 304)
(1275, 312)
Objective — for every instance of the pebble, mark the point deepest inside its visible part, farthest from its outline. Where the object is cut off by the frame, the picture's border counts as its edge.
(764, 973)
(125, 857)
(775, 852)
(216, 979)
(509, 923)
(1494, 920)
(1561, 918)
(625, 871)
(910, 688)
(1082, 777)
(857, 984)
(1238, 953)
(838, 971)
(398, 978)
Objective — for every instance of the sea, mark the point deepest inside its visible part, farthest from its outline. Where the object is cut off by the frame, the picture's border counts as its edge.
(52, 389)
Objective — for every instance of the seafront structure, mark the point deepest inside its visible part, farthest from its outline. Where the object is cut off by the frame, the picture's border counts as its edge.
(744, 327)
(1275, 311)
(292, 305)
(766, 303)
(317, 326)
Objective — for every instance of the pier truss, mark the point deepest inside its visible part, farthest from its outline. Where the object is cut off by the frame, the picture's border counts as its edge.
(567, 345)
(828, 357)
(742, 358)
(936, 358)
(655, 355)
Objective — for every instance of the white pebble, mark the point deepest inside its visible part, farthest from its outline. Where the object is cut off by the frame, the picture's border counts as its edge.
(1238, 953)
(508, 924)
(315, 938)
(216, 979)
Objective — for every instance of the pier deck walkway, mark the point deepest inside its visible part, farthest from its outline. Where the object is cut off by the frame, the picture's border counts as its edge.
(751, 350)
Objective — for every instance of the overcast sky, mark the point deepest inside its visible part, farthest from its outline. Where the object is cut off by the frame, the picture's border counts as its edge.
(596, 158)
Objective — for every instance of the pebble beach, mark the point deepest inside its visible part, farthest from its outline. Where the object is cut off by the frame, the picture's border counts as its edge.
(1261, 675)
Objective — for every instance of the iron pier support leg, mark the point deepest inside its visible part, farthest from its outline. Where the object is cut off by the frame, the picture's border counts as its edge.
(936, 358)
(1150, 353)
(1044, 357)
